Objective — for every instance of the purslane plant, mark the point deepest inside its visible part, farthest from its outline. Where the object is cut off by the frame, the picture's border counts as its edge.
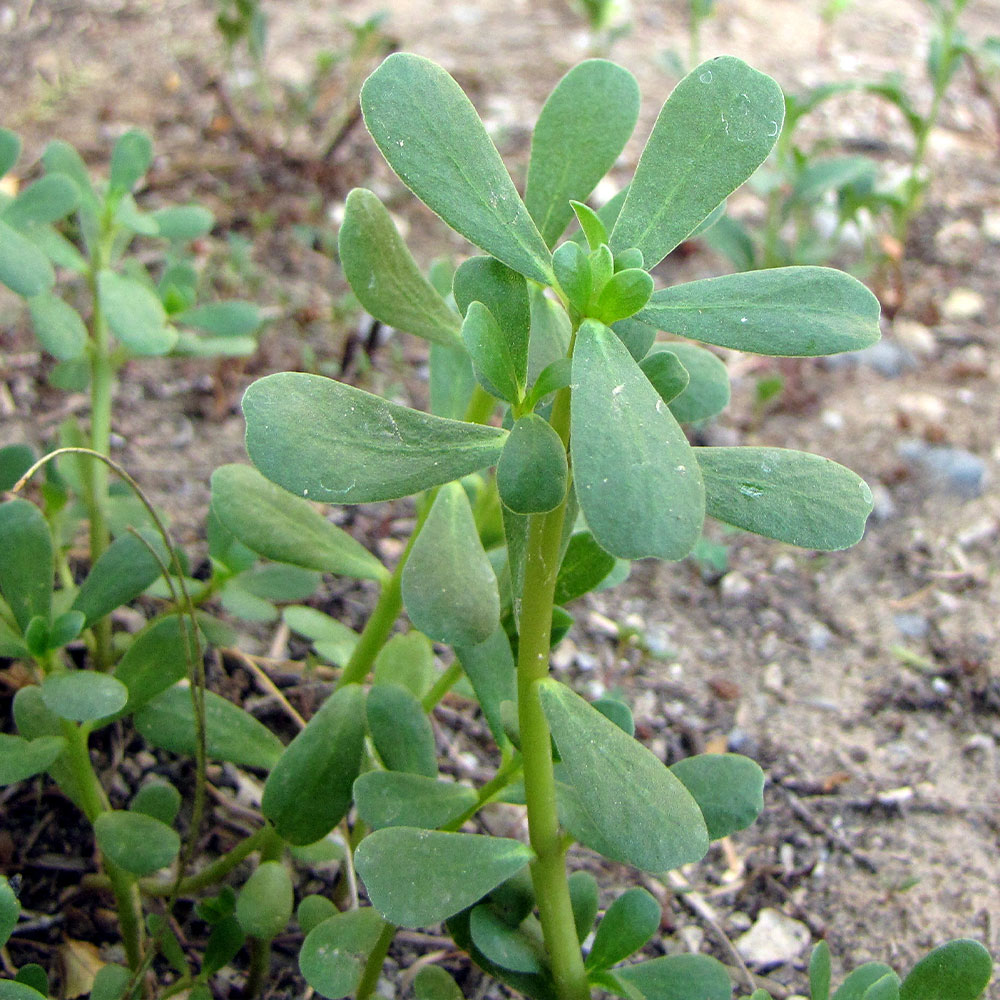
(592, 469)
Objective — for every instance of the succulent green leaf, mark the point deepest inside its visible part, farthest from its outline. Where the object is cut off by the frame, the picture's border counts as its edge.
(449, 588)
(636, 477)
(857, 983)
(233, 318)
(120, 575)
(399, 798)
(437, 145)
(434, 983)
(264, 905)
(707, 391)
(631, 920)
(832, 174)
(591, 224)
(666, 374)
(819, 972)
(111, 982)
(550, 333)
(783, 312)
(183, 223)
(11, 989)
(83, 695)
(49, 199)
(384, 276)
(135, 315)
(506, 946)
(24, 269)
(582, 129)
(334, 952)
(452, 381)
(631, 258)
(230, 733)
(792, 496)
(136, 842)
(15, 460)
(10, 150)
(713, 132)
(637, 336)
(10, 907)
(678, 977)
(401, 731)
(281, 526)
(626, 791)
(21, 759)
(583, 896)
(532, 472)
(419, 877)
(130, 159)
(490, 352)
(602, 267)
(958, 970)
(583, 567)
(34, 721)
(728, 788)
(157, 658)
(625, 293)
(406, 659)
(572, 270)
(886, 988)
(58, 326)
(334, 443)
(223, 945)
(28, 563)
(491, 671)
(308, 791)
(158, 799)
(61, 158)
(313, 910)
(333, 640)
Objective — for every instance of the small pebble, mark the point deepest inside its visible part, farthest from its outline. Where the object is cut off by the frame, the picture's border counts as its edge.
(963, 304)
(912, 625)
(740, 741)
(957, 470)
(915, 337)
(693, 937)
(991, 225)
(773, 679)
(735, 588)
(887, 358)
(819, 637)
(774, 939)
(982, 532)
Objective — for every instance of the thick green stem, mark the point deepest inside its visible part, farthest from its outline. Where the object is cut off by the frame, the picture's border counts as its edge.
(442, 686)
(548, 872)
(373, 967)
(94, 802)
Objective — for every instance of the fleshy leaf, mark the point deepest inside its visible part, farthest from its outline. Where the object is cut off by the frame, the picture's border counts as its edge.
(452, 381)
(864, 976)
(572, 271)
(434, 983)
(183, 223)
(21, 759)
(398, 798)
(384, 276)
(666, 374)
(502, 944)
(624, 295)
(636, 477)
(625, 789)
(492, 673)
(281, 526)
(419, 877)
(130, 159)
(583, 567)
(10, 149)
(591, 224)
(678, 977)
(449, 587)
(58, 326)
(308, 790)
(83, 695)
(707, 391)
(789, 495)
(334, 952)
(233, 318)
(49, 199)
(27, 566)
(490, 352)
(713, 132)
(819, 972)
(401, 731)
(532, 472)
(437, 145)
(631, 920)
(728, 788)
(581, 130)
(24, 269)
(120, 575)
(158, 799)
(334, 443)
(958, 970)
(264, 905)
(136, 842)
(230, 733)
(783, 312)
(407, 659)
(135, 314)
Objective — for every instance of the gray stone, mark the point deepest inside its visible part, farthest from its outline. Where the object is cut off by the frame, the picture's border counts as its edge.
(912, 625)
(963, 304)
(887, 358)
(819, 637)
(774, 939)
(958, 471)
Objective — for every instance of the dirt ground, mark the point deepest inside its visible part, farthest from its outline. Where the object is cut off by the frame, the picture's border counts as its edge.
(867, 683)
